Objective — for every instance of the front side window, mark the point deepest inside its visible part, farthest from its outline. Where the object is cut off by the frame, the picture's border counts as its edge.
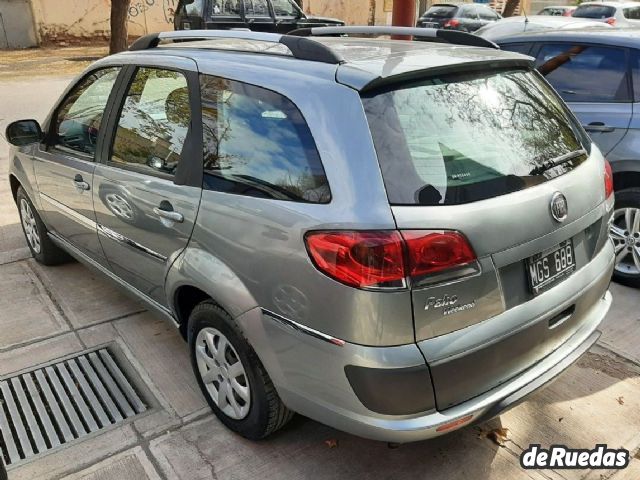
(256, 143)
(632, 13)
(226, 8)
(583, 73)
(462, 138)
(256, 8)
(285, 8)
(154, 123)
(80, 116)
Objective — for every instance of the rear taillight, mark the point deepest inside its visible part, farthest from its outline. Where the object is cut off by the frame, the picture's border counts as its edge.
(608, 179)
(432, 252)
(387, 259)
(611, 21)
(453, 23)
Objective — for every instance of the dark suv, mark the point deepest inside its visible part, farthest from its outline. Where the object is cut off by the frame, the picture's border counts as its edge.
(467, 17)
(278, 16)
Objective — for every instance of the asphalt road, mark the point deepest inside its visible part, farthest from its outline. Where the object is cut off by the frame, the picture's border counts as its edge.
(49, 313)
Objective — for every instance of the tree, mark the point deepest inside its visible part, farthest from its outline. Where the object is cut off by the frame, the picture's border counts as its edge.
(510, 8)
(119, 33)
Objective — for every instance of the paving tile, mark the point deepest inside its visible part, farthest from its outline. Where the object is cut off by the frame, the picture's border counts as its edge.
(76, 456)
(621, 327)
(26, 311)
(130, 465)
(85, 297)
(12, 243)
(161, 351)
(206, 449)
(596, 401)
(18, 359)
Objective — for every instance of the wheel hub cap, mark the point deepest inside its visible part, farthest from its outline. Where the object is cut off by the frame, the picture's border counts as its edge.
(222, 373)
(30, 226)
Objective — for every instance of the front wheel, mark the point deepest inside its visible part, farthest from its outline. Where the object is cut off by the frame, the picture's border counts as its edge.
(41, 246)
(625, 233)
(231, 376)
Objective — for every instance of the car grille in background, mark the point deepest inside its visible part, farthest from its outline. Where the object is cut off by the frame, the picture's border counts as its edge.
(56, 404)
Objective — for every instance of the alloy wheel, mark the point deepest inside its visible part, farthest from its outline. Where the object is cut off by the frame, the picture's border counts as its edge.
(625, 233)
(222, 373)
(30, 226)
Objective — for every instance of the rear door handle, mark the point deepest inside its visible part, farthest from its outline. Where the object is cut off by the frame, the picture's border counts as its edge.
(167, 214)
(80, 184)
(598, 127)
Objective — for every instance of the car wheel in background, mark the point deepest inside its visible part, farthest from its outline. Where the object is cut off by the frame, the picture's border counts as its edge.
(625, 233)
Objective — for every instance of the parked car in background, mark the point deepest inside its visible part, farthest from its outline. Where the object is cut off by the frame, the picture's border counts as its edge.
(278, 16)
(467, 17)
(597, 72)
(558, 11)
(347, 228)
(514, 25)
(618, 14)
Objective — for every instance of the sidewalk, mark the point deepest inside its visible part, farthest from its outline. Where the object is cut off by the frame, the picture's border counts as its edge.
(48, 313)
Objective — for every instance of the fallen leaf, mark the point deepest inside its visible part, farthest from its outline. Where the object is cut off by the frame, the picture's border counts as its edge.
(620, 400)
(560, 419)
(332, 443)
(499, 436)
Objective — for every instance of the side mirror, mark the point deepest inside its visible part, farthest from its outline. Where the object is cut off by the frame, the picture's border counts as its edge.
(24, 132)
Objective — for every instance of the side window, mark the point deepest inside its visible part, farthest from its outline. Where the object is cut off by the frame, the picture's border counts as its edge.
(256, 8)
(80, 115)
(487, 13)
(524, 48)
(193, 8)
(284, 8)
(583, 73)
(226, 8)
(635, 72)
(632, 13)
(256, 143)
(467, 11)
(154, 123)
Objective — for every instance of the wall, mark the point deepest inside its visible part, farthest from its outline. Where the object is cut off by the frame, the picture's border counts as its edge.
(63, 19)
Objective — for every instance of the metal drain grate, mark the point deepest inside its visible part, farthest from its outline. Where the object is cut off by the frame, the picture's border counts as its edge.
(45, 408)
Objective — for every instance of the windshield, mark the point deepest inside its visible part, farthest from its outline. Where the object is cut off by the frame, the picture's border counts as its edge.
(594, 11)
(441, 11)
(466, 137)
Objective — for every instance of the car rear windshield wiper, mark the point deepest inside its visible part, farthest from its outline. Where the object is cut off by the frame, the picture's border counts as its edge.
(554, 162)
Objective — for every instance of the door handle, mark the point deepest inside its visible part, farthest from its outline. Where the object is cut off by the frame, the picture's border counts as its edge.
(80, 184)
(598, 127)
(167, 214)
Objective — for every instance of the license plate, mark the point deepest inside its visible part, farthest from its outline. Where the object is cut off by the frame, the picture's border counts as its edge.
(431, 25)
(550, 267)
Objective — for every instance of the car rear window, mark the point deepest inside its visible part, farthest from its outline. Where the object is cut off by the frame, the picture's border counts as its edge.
(441, 11)
(594, 11)
(461, 138)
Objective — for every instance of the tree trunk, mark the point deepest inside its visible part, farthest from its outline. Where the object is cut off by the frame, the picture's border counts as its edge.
(510, 8)
(119, 33)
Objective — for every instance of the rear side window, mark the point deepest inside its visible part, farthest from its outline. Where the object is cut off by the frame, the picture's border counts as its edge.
(594, 11)
(462, 138)
(441, 11)
(257, 143)
(486, 13)
(632, 13)
(225, 8)
(583, 73)
(256, 8)
(523, 48)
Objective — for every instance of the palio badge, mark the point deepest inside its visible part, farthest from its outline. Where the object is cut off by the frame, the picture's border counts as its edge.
(448, 304)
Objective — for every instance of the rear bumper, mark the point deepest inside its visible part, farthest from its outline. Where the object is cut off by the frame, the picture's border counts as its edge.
(309, 371)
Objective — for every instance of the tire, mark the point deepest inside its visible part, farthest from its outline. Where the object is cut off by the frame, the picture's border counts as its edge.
(627, 207)
(42, 248)
(261, 412)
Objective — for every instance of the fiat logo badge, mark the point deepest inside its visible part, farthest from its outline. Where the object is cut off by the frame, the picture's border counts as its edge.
(559, 207)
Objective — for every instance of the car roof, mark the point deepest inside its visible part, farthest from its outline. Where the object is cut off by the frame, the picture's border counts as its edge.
(611, 4)
(365, 60)
(624, 37)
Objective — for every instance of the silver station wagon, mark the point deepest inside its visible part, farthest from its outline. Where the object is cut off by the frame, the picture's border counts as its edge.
(394, 238)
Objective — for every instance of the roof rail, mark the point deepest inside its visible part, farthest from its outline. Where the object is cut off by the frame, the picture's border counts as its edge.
(301, 48)
(450, 36)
